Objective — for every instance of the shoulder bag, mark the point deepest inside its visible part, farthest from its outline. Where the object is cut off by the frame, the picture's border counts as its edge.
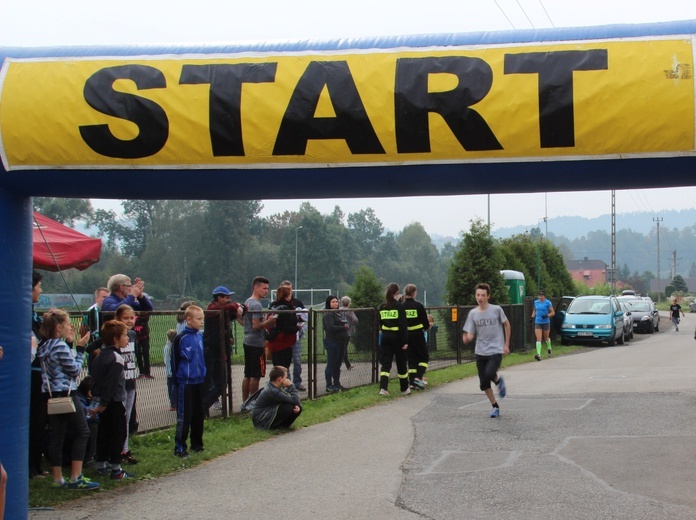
(58, 405)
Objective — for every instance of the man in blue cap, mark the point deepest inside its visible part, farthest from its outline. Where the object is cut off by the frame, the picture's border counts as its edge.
(217, 338)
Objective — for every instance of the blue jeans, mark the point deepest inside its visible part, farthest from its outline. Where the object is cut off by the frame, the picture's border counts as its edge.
(297, 363)
(334, 349)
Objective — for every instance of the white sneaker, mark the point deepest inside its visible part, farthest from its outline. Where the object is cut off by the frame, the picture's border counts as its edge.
(406, 392)
(382, 391)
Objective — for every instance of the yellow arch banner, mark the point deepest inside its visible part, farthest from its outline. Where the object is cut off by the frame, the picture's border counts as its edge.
(583, 99)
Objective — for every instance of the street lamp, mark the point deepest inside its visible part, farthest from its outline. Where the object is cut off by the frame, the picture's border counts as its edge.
(296, 230)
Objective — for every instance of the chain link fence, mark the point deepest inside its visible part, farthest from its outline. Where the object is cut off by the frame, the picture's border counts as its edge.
(358, 368)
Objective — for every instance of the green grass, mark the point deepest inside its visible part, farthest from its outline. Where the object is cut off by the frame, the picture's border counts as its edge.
(222, 436)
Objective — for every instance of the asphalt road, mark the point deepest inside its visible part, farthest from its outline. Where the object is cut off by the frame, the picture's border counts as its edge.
(607, 434)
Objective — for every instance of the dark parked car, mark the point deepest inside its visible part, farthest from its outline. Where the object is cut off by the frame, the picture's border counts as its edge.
(646, 317)
(628, 321)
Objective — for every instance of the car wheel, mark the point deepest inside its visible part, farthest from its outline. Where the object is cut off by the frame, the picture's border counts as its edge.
(651, 328)
(631, 334)
(565, 341)
(657, 327)
(612, 341)
(621, 340)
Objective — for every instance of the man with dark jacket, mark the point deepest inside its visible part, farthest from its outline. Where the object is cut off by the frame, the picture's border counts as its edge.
(216, 336)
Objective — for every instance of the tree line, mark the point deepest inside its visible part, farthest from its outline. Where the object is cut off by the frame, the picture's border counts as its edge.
(182, 249)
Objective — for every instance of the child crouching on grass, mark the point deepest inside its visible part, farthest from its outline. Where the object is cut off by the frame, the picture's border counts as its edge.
(188, 367)
(110, 389)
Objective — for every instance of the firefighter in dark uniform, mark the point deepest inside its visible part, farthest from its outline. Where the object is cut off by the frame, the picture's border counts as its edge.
(417, 320)
(392, 321)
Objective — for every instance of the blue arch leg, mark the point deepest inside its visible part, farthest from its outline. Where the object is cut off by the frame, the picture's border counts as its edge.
(15, 330)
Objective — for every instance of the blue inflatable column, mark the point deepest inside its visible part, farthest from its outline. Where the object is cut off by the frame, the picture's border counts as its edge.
(15, 338)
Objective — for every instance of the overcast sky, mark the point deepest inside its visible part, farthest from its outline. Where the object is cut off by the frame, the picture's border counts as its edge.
(30, 23)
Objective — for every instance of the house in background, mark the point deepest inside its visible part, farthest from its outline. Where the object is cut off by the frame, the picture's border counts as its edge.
(589, 272)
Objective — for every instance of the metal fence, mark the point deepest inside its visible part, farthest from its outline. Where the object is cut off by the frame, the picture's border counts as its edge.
(444, 343)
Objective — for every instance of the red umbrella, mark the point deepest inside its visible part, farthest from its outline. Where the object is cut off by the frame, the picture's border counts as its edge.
(58, 247)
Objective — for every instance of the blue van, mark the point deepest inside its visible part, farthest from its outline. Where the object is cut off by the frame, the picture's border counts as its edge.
(593, 318)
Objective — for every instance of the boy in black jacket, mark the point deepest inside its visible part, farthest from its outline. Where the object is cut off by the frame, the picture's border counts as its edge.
(110, 390)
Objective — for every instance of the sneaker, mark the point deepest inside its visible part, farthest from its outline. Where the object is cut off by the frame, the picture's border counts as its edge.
(300, 388)
(198, 449)
(550, 353)
(406, 392)
(424, 381)
(181, 454)
(340, 388)
(102, 471)
(537, 357)
(495, 412)
(128, 457)
(120, 475)
(418, 384)
(502, 389)
(382, 391)
(60, 484)
(331, 389)
(82, 483)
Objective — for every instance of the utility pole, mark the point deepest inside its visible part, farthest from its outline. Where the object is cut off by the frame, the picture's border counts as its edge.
(659, 289)
(674, 263)
(613, 242)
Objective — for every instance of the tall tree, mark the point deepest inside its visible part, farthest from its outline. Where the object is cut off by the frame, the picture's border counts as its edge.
(679, 284)
(478, 260)
(65, 211)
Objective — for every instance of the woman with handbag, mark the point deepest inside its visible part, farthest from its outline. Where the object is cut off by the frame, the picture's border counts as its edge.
(60, 368)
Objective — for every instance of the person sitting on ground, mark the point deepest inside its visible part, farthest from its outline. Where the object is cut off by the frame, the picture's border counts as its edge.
(278, 405)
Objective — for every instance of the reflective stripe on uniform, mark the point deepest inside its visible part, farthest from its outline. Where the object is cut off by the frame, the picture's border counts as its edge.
(384, 374)
(384, 327)
(416, 327)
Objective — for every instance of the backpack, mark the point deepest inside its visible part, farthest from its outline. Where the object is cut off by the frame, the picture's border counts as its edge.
(249, 404)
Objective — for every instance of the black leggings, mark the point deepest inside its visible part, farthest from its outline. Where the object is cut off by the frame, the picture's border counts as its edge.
(76, 423)
(487, 367)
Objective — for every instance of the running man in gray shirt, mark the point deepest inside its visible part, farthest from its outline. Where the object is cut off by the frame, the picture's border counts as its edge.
(491, 328)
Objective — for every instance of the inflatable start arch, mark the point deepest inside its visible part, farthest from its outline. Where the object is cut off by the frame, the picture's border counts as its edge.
(521, 111)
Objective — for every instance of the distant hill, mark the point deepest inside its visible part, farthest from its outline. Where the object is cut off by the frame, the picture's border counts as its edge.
(576, 227)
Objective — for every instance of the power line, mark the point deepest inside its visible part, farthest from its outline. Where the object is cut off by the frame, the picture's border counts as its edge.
(546, 13)
(525, 14)
(505, 15)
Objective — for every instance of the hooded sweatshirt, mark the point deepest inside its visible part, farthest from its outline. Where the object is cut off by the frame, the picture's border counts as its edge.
(59, 365)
